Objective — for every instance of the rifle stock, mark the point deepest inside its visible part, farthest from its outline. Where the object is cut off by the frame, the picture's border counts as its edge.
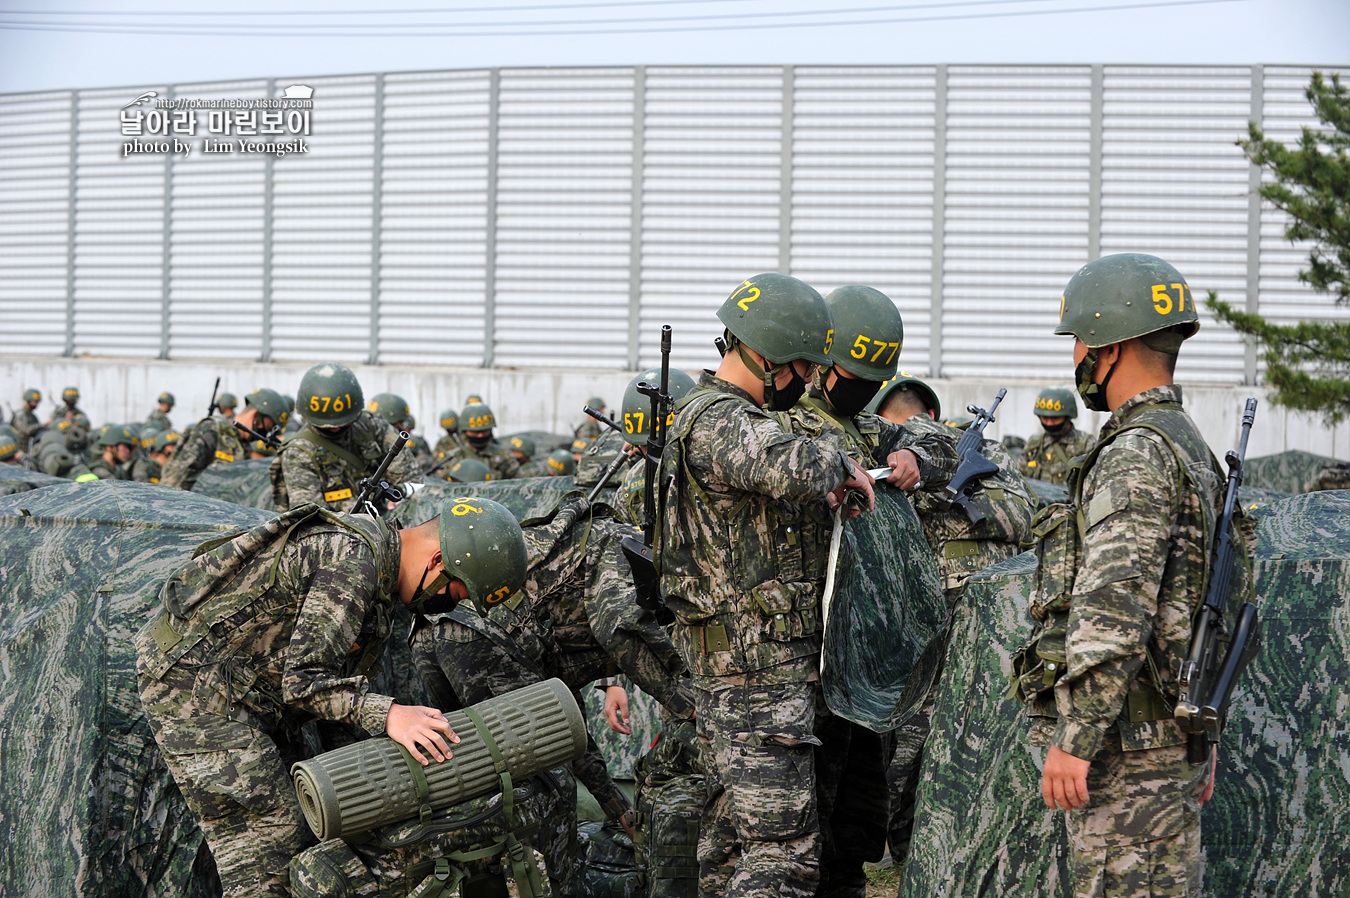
(646, 578)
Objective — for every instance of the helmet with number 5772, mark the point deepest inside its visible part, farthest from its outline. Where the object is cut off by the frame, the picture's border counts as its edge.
(330, 395)
(1124, 296)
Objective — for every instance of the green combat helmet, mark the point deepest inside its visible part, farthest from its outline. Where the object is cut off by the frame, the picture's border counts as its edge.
(149, 431)
(783, 319)
(522, 444)
(32, 395)
(389, 406)
(482, 547)
(580, 445)
(1056, 402)
(227, 401)
(166, 398)
(905, 380)
(637, 408)
(1122, 297)
(9, 442)
(115, 434)
(868, 332)
(597, 403)
(469, 470)
(473, 399)
(450, 420)
(329, 395)
(477, 416)
(70, 395)
(560, 463)
(270, 404)
(960, 422)
(164, 440)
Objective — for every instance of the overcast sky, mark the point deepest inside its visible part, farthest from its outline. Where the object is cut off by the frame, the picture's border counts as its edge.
(46, 44)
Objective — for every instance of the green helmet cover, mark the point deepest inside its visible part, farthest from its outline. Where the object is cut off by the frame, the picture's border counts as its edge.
(522, 443)
(478, 416)
(596, 402)
(450, 420)
(270, 404)
(330, 395)
(781, 318)
(1128, 295)
(637, 408)
(32, 395)
(164, 440)
(9, 443)
(115, 434)
(70, 395)
(227, 400)
(473, 399)
(1057, 402)
(868, 332)
(166, 398)
(561, 462)
(469, 470)
(905, 380)
(579, 445)
(389, 406)
(483, 547)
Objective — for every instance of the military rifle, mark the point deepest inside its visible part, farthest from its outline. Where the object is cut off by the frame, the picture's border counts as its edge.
(1202, 707)
(271, 439)
(646, 579)
(610, 471)
(974, 466)
(212, 408)
(375, 487)
(604, 419)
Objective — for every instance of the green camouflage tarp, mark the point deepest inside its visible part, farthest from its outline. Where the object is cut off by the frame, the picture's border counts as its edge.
(1281, 815)
(622, 752)
(1286, 471)
(244, 482)
(544, 441)
(887, 609)
(526, 498)
(87, 806)
(1047, 493)
(18, 479)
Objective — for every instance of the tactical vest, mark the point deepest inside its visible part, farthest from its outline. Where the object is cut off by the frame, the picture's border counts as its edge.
(739, 606)
(336, 467)
(199, 598)
(229, 447)
(1059, 530)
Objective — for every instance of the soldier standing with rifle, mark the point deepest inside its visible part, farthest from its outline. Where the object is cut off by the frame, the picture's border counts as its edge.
(1121, 575)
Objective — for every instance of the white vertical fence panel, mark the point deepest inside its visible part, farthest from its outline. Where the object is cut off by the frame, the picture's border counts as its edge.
(862, 188)
(216, 238)
(1175, 185)
(564, 222)
(34, 203)
(321, 246)
(711, 199)
(1016, 216)
(434, 217)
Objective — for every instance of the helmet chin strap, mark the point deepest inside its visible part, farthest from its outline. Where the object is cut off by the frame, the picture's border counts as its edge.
(765, 371)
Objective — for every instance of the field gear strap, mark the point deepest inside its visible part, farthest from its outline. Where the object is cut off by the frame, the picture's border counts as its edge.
(309, 434)
(523, 867)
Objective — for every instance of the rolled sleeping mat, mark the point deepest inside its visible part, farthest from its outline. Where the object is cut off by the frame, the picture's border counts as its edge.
(376, 782)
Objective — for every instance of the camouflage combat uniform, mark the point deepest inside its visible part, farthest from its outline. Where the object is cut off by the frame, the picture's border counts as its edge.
(26, 425)
(160, 418)
(259, 635)
(1146, 535)
(962, 548)
(630, 497)
(588, 430)
(597, 458)
(499, 460)
(1337, 478)
(448, 446)
(535, 467)
(314, 468)
(139, 468)
(421, 451)
(101, 469)
(210, 440)
(851, 761)
(1047, 457)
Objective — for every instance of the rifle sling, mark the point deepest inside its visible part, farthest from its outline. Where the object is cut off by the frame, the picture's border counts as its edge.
(311, 435)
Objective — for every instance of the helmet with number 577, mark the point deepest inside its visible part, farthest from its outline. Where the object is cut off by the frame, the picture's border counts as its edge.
(483, 547)
(329, 395)
(868, 332)
(1128, 295)
(637, 408)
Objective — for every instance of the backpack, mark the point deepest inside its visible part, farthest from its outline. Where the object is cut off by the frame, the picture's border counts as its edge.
(669, 798)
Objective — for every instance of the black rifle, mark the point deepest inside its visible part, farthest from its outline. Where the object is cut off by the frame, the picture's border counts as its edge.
(974, 466)
(271, 439)
(604, 419)
(646, 580)
(375, 487)
(212, 408)
(1206, 683)
(610, 471)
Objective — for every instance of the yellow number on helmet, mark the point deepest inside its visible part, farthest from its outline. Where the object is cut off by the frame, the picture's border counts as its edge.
(462, 507)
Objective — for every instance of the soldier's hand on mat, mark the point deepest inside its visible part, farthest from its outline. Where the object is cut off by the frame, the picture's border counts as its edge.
(616, 710)
(861, 482)
(414, 726)
(1064, 783)
(904, 469)
(1208, 792)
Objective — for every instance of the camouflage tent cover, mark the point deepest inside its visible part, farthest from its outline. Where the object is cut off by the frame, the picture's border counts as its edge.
(886, 613)
(1286, 471)
(1280, 820)
(80, 570)
(245, 482)
(18, 479)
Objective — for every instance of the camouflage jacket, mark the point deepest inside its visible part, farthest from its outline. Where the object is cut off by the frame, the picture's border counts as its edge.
(447, 446)
(534, 468)
(740, 543)
(1047, 457)
(421, 451)
(1147, 507)
(25, 424)
(499, 460)
(103, 470)
(140, 469)
(210, 440)
(962, 548)
(588, 430)
(160, 418)
(286, 621)
(315, 469)
(630, 498)
(597, 458)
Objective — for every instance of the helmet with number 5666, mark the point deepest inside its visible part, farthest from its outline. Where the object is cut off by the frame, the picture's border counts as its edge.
(483, 547)
(330, 396)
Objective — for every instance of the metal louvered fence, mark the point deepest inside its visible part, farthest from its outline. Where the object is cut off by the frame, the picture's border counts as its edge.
(557, 217)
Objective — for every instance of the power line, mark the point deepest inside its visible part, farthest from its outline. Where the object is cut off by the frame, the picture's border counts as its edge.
(517, 32)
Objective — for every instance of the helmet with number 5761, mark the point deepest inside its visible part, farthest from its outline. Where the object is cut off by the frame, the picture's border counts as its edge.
(330, 395)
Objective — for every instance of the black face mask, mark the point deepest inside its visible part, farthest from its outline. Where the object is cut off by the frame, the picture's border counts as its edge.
(1059, 429)
(1094, 395)
(478, 441)
(780, 399)
(432, 600)
(850, 395)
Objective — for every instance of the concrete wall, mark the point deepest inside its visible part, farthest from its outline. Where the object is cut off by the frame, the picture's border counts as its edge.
(551, 398)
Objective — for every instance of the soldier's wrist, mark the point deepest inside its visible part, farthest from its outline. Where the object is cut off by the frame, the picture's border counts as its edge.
(1078, 738)
(372, 713)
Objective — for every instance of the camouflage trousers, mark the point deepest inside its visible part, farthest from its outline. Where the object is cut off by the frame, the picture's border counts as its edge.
(761, 830)
(236, 780)
(852, 800)
(1139, 836)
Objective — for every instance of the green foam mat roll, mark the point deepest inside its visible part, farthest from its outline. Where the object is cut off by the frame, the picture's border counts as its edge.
(362, 786)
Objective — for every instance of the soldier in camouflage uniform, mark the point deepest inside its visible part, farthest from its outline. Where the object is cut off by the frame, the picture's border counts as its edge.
(522, 449)
(160, 415)
(575, 619)
(962, 548)
(1046, 455)
(118, 446)
(590, 430)
(630, 497)
(341, 443)
(24, 421)
(216, 438)
(851, 761)
(746, 506)
(10, 453)
(421, 448)
(159, 453)
(1336, 478)
(478, 422)
(225, 404)
(450, 445)
(1145, 505)
(70, 396)
(281, 625)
